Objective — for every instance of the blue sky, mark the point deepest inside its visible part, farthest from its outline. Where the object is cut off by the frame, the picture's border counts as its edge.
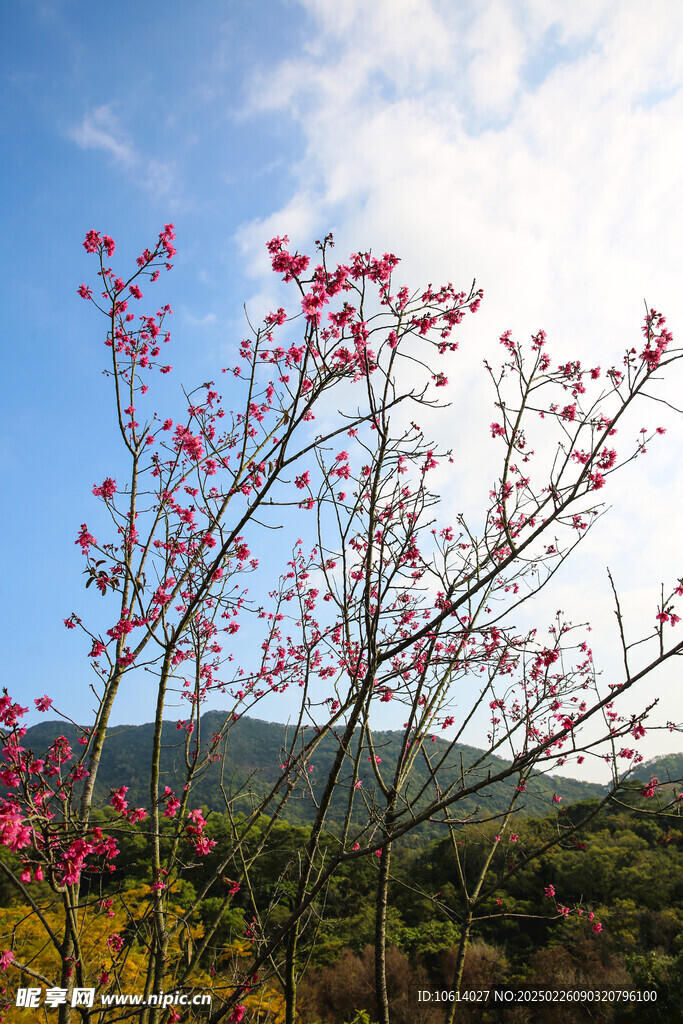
(111, 127)
(534, 145)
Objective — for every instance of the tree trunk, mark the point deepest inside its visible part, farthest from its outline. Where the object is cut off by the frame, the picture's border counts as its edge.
(290, 976)
(381, 935)
(459, 966)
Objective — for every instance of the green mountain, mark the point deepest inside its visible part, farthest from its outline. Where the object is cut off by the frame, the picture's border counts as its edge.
(256, 750)
(667, 768)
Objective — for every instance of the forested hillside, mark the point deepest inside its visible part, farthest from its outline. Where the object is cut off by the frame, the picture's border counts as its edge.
(252, 758)
(620, 882)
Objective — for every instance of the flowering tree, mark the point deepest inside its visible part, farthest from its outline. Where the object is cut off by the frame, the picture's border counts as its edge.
(381, 600)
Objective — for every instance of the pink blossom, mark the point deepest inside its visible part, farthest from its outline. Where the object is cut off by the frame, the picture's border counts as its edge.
(115, 942)
(6, 959)
(118, 800)
(10, 713)
(13, 833)
(550, 891)
(165, 239)
(310, 304)
(237, 1014)
(278, 317)
(85, 539)
(92, 241)
(651, 789)
(106, 490)
(60, 752)
(43, 703)
(203, 845)
(73, 860)
(186, 442)
(172, 803)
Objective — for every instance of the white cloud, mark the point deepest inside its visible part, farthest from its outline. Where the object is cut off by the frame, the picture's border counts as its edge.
(207, 320)
(498, 48)
(101, 129)
(534, 146)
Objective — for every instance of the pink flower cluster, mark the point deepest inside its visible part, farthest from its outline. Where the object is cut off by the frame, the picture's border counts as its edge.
(185, 441)
(106, 490)
(350, 355)
(195, 831)
(13, 832)
(94, 243)
(120, 804)
(657, 339)
(71, 861)
(283, 262)
(172, 803)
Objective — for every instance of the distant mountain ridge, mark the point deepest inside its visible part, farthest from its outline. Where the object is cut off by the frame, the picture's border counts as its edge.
(254, 756)
(667, 768)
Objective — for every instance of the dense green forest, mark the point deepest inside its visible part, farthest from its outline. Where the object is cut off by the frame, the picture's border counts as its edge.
(615, 921)
(626, 870)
